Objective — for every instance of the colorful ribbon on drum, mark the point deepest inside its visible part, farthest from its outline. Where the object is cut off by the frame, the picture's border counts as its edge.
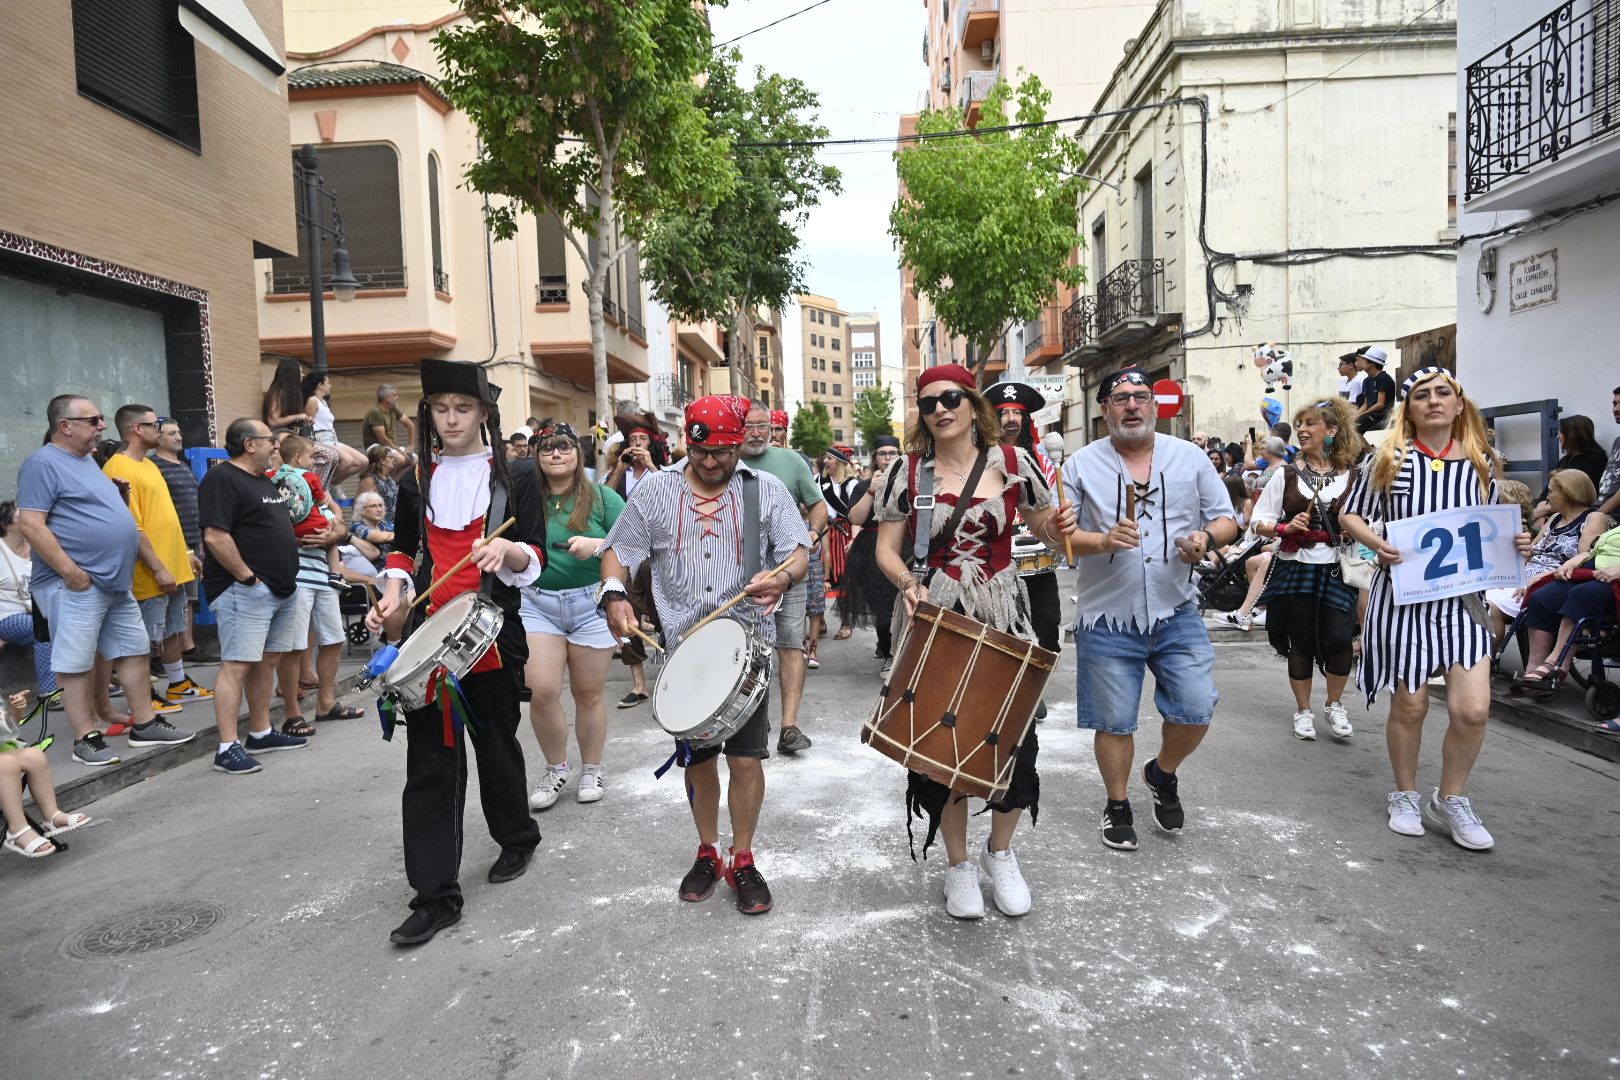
(444, 689)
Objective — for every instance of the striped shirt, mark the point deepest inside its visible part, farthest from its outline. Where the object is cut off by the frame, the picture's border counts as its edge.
(183, 490)
(696, 547)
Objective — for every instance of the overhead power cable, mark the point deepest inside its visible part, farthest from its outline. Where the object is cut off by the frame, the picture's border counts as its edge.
(767, 26)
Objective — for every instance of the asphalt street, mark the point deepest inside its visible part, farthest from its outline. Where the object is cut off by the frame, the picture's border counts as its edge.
(237, 927)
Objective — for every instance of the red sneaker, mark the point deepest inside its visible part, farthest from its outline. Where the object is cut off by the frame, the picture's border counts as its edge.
(753, 895)
(698, 884)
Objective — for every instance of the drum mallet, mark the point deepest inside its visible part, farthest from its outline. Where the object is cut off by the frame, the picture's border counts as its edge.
(740, 597)
(1052, 443)
(463, 561)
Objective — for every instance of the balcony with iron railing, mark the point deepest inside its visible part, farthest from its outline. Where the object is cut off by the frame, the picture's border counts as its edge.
(1541, 110)
(972, 90)
(1130, 301)
(441, 281)
(976, 22)
(1080, 328)
(669, 393)
(551, 290)
(295, 282)
(1043, 336)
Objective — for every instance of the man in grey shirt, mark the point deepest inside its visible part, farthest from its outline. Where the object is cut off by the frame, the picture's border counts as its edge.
(1147, 505)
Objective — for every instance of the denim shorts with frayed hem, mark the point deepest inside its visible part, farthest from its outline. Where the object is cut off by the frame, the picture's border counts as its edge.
(566, 613)
(1111, 663)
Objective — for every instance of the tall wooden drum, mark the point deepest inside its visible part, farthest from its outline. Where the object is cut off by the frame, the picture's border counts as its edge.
(959, 701)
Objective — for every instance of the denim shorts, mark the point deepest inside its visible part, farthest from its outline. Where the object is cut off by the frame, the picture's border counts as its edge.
(254, 621)
(792, 622)
(164, 615)
(94, 621)
(1109, 667)
(566, 613)
(318, 608)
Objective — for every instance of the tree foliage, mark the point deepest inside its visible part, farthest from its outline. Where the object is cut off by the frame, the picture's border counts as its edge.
(874, 413)
(812, 431)
(987, 221)
(569, 95)
(734, 254)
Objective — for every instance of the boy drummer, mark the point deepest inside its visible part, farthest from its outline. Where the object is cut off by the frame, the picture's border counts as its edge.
(448, 510)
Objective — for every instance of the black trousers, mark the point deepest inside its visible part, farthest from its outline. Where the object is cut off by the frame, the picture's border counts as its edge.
(1045, 609)
(436, 785)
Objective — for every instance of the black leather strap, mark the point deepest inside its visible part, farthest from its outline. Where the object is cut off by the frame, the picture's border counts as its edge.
(751, 537)
(935, 544)
(492, 521)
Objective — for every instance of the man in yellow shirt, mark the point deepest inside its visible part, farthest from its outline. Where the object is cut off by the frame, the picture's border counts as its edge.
(164, 564)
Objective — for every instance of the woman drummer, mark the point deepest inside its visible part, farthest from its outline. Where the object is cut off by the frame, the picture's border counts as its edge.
(971, 572)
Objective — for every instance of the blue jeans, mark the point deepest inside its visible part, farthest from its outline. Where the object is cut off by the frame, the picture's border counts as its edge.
(18, 629)
(89, 622)
(566, 613)
(254, 621)
(1110, 665)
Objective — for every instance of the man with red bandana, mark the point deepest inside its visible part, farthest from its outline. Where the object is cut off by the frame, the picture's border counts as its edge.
(779, 428)
(690, 523)
(443, 516)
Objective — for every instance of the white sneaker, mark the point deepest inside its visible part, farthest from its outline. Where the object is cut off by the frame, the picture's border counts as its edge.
(1404, 815)
(1240, 619)
(590, 788)
(1006, 883)
(1304, 724)
(963, 900)
(1338, 720)
(1453, 814)
(549, 789)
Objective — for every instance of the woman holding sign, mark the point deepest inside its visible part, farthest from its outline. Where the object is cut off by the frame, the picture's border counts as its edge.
(1436, 458)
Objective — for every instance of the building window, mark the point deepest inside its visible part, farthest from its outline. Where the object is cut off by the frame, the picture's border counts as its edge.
(837, 367)
(838, 389)
(838, 412)
(134, 57)
(838, 345)
(365, 181)
(1099, 249)
(838, 434)
(553, 243)
(835, 320)
(764, 362)
(1451, 169)
(632, 291)
(764, 346)
(441, 280)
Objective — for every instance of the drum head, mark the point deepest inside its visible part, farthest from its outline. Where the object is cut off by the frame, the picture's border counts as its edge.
(700, 676)
(429, 637)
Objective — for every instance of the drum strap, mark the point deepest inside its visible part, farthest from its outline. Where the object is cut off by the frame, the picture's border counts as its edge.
(751, 536)
(925, 545)
(492, 520)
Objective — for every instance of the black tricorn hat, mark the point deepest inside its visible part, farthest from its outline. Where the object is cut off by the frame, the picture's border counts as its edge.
(1002, 394)
(458, 377)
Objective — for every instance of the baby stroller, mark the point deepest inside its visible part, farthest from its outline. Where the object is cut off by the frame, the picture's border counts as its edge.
(1222, 583)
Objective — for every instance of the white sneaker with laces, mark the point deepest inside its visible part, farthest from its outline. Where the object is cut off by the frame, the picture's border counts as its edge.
(590, 788)
(1006, 882)
(1304, 724)
(1454, 814)
(1338, 720)
(1243, 620)
(963, 900)
(1404, 815)
(550, 787)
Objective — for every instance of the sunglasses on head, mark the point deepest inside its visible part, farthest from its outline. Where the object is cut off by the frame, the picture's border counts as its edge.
(950, 399)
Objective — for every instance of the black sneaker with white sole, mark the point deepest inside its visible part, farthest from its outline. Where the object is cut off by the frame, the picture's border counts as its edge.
(1119, 826)
(1166, 803)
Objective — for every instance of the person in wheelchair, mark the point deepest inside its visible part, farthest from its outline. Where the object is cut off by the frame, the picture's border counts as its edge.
(1556, 605)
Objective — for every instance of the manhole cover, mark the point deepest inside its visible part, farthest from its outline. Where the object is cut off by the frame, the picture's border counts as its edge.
(156, 926)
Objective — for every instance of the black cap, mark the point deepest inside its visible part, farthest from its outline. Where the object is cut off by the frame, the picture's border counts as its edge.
(458, 377)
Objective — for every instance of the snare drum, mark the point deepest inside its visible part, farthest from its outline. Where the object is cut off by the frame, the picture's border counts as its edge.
(1036, 560)
(712, 684)
(959, 701)
(455, 637)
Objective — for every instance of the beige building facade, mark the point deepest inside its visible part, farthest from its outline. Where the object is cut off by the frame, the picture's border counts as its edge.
(434, 281)
(139, 183)
(824, 345)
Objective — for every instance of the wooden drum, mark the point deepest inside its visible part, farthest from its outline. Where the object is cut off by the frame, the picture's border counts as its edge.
(958, 702)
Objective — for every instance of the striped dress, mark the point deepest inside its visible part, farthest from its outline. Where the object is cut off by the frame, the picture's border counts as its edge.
(1411, 643)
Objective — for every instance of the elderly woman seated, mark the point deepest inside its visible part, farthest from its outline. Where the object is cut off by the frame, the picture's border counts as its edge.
(1555, 605)
(1568, 533)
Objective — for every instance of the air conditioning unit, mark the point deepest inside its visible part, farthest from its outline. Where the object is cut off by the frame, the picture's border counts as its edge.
(987, 49)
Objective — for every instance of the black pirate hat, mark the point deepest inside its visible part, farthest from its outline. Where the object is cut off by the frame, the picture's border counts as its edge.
(458, 377)
(1026, 397)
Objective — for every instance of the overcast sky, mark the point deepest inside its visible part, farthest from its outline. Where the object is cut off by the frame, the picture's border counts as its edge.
(864, 60)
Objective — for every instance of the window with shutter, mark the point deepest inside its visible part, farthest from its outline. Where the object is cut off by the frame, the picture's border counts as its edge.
(364, 181)
(553, 244)
(441, 280)
(133, 57)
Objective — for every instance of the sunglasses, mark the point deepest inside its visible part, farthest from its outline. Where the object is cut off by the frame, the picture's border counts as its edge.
(91, 420)
(951, 399)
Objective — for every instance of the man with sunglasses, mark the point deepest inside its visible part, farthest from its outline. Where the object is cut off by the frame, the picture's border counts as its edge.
(85, 543)
(1148, 506)
(690, 523)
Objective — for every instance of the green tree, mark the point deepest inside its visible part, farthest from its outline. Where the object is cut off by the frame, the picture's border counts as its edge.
(874, 412)
(577, 96)
(812, 431)
(731, 256)
(987, 221)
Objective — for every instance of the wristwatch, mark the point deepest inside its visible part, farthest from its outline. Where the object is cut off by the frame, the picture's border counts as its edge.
(253, 579)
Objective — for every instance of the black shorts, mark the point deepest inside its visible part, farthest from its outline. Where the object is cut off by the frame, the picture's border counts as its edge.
(752, 740)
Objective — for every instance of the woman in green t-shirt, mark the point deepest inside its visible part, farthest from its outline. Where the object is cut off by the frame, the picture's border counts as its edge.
(566, 631)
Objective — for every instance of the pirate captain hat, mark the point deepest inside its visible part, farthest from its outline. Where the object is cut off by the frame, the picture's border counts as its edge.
(1016, 394)
(458, 377)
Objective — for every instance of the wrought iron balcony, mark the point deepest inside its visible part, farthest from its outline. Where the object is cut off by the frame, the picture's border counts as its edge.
(1552, 89)
(292, 282)
(668, 392)
(551, 290)
(441, 280)
(1080, 325)
(1129, 299)
(1043, 336)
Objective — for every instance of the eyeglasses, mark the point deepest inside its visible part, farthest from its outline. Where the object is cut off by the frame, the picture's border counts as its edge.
(1140, 397)
(717, 453)
(561, 446)
(757, 427)
(950, 399)
(257, 438)
(93, 421)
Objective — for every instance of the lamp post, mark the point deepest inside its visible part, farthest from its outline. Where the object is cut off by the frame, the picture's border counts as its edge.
(344, 284)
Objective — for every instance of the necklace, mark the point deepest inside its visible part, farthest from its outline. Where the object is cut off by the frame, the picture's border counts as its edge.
(1321, 474)
(1437, 463)
(962, 476)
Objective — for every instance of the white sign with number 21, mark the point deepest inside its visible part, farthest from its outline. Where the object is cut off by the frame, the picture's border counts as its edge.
(1452, 552)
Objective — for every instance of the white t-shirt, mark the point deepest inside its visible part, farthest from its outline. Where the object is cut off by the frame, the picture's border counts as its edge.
(1350, 387)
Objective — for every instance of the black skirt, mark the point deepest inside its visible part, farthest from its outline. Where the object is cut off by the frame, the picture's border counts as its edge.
(866, 597)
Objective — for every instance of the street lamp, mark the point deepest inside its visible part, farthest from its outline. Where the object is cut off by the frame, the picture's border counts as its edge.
(344, 283)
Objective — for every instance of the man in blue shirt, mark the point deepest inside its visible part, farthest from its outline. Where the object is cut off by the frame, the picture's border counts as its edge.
(1147, 506)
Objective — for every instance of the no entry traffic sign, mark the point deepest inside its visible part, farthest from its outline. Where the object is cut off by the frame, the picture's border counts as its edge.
(1169, 396)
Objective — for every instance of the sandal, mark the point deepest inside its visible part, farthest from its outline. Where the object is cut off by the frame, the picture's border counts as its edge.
(341, 712)
(37, 848)
(297, 727)
(1544, 678)
(810, 660)
(1612, 727)
(74, 821)
(844, 633)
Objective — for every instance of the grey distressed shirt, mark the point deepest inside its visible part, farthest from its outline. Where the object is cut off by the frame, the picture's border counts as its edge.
(696, 545)
(1140, 589)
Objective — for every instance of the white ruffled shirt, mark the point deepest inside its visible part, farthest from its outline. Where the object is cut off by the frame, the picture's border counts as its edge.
(460, 497)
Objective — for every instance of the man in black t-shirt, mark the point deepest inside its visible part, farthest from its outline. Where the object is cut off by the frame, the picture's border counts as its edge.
(249, 575)
(1377, 392)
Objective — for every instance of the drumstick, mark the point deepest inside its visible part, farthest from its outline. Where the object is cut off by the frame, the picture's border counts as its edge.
(740, 597)
(648, 641)
(1068, 538)
(1130, 502)
(464, 560)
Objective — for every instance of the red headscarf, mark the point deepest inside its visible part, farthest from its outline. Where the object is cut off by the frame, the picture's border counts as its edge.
(716, 420)
(953, 372)
(779, 418)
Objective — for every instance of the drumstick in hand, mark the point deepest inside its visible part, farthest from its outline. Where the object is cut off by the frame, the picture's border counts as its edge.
(646, 640)
(740, 597)
(1130, 502)
(464, 560)
(1068, 538)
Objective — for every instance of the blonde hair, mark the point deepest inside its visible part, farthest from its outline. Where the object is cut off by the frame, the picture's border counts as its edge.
(837, 470)
(1348, 445)
(293, 445)
(1513, 491)
(1574, 485)
(986, 428)
(1468, 430)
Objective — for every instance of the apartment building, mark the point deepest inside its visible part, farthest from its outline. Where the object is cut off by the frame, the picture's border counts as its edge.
(824, 329)
(1299, 194)
(433, 281)
(144, 169)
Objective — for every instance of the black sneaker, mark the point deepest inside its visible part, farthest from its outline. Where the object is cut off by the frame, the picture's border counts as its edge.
(1166, 803)
(423, 923)
(1119, 826)
(753, 895)
(698, 884)
(792, 740)
(511, 864)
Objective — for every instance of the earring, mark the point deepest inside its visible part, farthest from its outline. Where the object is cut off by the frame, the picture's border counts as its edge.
(1328, 442)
